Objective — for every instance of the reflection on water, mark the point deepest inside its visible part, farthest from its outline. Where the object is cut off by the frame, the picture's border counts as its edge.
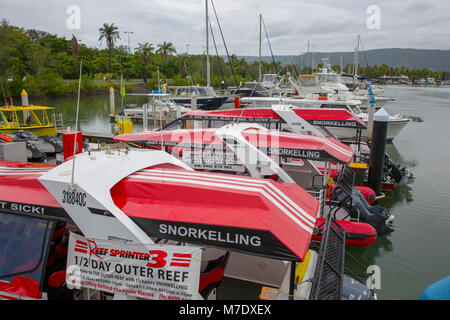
(417, 253)
(94, 110)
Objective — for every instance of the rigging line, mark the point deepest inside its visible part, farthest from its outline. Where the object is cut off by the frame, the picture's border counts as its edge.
(217, 53)
(365, 57)
(224, 43)
(193, 24)
(270, 47)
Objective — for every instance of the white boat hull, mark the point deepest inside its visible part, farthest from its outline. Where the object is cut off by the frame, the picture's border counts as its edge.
(394, 128)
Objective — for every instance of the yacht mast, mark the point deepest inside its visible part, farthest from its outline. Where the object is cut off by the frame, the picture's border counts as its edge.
(260, 32)
(208, 70)
(355, 69)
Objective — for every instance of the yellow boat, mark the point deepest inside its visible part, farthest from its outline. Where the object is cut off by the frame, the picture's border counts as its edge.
(31, 118)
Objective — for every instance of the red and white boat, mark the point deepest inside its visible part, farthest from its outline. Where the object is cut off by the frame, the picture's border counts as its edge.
(140, 196)
(315, 121)
(249, 149)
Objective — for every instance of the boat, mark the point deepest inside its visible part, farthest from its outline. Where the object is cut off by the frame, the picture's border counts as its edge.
(162, 104)
(30, 118)
(206, 97)
(338, 89)
(395, 125)
(316, 121)
(250, 149)
(135, 197)
(251, 89)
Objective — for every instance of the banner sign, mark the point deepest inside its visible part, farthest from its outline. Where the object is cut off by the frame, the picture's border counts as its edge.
(146, 271)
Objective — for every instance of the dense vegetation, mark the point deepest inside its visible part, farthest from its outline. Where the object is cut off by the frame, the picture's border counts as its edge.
(45, 64)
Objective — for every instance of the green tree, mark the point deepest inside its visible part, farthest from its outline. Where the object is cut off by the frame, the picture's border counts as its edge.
(110, 33)
(165, 49)
(145, 50)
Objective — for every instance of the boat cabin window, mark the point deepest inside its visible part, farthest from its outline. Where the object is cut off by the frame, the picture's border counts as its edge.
(269, 78)
(307, 80)
(24, 246)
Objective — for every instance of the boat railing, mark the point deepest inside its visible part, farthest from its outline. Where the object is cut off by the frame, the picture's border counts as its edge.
(58, 121)
(318, 193)
(328, 277)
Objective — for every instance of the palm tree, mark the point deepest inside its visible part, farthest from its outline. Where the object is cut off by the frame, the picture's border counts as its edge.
(110, 33)
(145, 50)
(165, 49)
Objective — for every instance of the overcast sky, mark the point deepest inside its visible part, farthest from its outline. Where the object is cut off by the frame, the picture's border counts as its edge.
(329, 24)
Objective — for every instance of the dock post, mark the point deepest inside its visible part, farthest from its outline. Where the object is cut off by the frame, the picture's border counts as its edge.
(178, 110)
(24, 95)
(25, 103)
(193, 102)
(144, 116)
(377, 150)
(370, 117)
(112, 102)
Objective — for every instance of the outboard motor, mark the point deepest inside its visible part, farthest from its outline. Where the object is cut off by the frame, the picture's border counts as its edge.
(40, 144)
(33, 153)
(56, 142)
(355, 290)
(374, 215)
(400, 174)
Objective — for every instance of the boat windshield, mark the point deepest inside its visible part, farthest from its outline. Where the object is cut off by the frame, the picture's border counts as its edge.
(189, 91)
(269, 78)
(354, 108)
(24, 245)
(329, 77)
(205, 91)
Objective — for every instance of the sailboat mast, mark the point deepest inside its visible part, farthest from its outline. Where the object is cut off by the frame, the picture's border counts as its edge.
(208, 70)
(356, 58)
(260, 35)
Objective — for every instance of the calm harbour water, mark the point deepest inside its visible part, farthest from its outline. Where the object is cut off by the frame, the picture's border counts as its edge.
(417, 253)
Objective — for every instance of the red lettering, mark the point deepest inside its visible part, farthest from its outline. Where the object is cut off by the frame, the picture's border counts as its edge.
(158, 260)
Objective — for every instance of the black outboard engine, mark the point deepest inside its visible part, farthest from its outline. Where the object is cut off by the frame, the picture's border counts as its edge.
(360, 209)
(39, 143)
(355, 290)
(33, 152)
(56, 142)
(393, 170)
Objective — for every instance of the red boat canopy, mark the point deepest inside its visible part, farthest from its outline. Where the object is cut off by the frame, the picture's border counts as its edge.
(272, 142)
(21, 192)
(249, 215)
(329, 117)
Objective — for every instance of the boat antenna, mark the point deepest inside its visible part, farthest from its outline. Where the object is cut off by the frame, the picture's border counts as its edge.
(76, 129)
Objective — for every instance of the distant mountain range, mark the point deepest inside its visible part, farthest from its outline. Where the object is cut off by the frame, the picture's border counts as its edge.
(435, 60)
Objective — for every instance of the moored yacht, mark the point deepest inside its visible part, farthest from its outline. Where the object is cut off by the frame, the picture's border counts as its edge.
(206, 97)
